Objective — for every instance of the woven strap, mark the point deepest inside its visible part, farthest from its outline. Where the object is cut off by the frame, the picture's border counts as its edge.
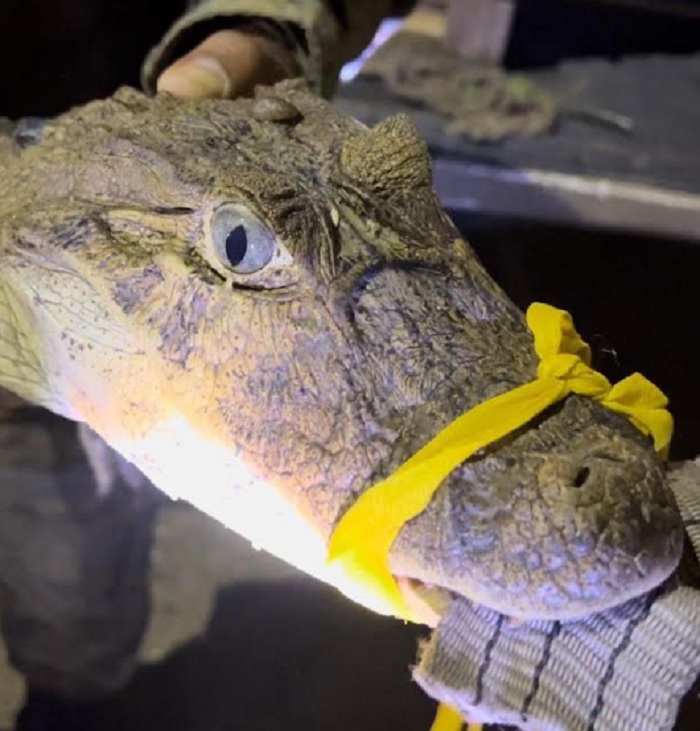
(625, 669)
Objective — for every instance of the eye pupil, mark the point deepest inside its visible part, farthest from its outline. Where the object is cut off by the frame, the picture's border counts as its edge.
(236, 245)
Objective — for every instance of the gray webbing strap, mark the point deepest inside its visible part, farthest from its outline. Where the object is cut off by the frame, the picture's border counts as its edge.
(626, 669)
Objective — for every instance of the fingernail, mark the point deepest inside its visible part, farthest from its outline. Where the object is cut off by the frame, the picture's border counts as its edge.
(196, 78)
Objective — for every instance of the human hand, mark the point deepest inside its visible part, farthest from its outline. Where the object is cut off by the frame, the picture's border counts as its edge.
(228, 64)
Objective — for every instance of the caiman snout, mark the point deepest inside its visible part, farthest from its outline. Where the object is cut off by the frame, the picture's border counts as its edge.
(549, 532)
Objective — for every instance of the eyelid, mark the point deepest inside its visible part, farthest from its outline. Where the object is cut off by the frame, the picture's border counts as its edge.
(130, 220)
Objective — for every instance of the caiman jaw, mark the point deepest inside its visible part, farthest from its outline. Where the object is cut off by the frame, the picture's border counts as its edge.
(23, 353)
(426, 595)
(63, 335)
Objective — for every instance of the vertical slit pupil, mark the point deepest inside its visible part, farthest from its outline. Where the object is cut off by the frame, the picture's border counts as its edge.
(236, 245)
(582, 476)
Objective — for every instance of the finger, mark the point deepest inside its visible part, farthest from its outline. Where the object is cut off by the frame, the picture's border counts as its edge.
(227, 64)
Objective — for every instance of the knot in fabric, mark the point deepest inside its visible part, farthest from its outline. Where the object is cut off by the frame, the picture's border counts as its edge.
(564, 356)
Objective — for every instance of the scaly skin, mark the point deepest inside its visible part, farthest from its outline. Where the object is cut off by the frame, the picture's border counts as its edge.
(272, 399)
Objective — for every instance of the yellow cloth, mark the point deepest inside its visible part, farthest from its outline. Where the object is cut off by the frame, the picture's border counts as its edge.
(448, 719)
(363, 538)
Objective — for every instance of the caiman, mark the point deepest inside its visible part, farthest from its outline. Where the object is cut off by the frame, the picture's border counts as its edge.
(262, 305)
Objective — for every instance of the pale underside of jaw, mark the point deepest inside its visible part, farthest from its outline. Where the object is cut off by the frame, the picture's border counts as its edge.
(190, 467)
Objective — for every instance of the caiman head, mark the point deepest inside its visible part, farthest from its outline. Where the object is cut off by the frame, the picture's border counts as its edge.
(262, 305)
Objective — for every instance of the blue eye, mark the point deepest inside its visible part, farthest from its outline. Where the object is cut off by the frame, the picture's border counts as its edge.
(243, 243)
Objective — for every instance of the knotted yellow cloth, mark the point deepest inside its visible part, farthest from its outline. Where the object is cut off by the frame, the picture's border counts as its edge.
(363, 538)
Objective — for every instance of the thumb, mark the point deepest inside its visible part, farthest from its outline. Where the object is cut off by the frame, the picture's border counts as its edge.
(227, 64)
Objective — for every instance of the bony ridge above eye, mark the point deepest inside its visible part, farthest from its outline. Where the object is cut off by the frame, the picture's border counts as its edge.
(243, 243)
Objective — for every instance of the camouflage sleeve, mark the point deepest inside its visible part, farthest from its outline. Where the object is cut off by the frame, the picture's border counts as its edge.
(324, 34)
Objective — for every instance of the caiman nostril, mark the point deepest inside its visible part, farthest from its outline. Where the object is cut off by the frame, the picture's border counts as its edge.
(581, 476)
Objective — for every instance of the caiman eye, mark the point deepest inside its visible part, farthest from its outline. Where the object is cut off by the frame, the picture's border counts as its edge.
(243, 243)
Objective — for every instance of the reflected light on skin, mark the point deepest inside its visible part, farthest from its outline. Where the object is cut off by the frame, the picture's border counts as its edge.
(188, 466)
